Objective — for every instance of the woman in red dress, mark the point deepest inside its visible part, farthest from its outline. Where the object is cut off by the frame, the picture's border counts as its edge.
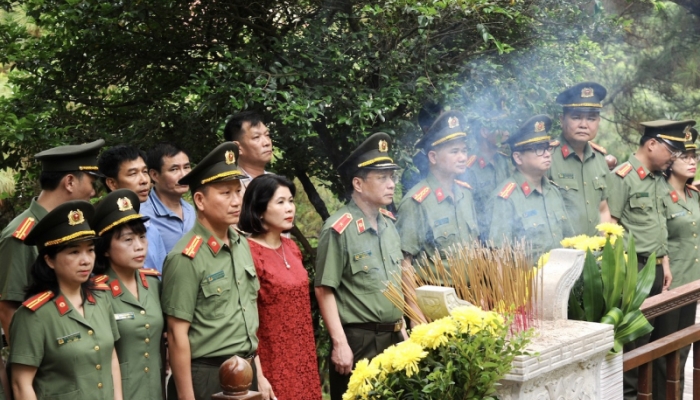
(286, 349)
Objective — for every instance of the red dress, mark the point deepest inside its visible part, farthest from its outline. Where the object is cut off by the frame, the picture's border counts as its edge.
(286, 346)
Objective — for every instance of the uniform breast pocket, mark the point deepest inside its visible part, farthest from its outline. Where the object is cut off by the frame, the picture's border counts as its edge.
(253, 281)
(568, 184)
(215, 296)
(365, 276)
(599, 183)
(445, 232)
(640, 209)
(534, 223)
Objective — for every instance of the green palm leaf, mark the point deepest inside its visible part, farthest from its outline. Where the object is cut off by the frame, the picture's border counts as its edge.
(592, 288)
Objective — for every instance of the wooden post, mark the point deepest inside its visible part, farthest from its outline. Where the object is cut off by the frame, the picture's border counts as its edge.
(696, 370)
(236, 376)
(644, 382)
(673, 375)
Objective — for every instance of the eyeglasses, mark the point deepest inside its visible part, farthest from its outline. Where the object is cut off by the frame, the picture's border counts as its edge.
(674, 153)
(687, 157)
(539, 150)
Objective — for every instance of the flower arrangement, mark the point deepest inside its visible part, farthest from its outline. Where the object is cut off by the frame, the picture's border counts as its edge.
(462, 356)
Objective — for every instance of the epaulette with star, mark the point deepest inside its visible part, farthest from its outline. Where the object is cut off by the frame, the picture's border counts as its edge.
(507, 190)
(421, 194)
(99, 282)
(463, 184)
(624, 169)
(693, 188)
(598, 148)
(341, 223)
(33, 303)
(146, 272)
(471, 160)
(193, 246)
(387, 213)
(24, 228)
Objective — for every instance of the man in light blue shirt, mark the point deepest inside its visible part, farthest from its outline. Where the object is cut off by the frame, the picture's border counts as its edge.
(124, 167)
(172, 215)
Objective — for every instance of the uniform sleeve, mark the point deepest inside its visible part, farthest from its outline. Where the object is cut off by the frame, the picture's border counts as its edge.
(28, 338)
(14, 274)
(180, 287)
(331, 258)
(502, 226)
(410, 225)
(617, 193)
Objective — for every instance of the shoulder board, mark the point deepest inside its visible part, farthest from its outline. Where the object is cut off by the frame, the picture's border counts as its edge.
(101, 286)
(554, 143)
(387, 213)
(149, 272)
(421, 194)
(692, 187)
(598, 147)
(342, 223)
(470, 160)
(193, 246)
(624, 169)
(24, 228)
(551, 182)
(33, 303)
(99, 279)
(463, 184)
(507, 190)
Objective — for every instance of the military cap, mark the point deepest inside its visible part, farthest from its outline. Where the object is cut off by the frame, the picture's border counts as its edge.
(218, 166)
(535, 130)
(674, 133)
(75, 157)
(586, 96)
(65, 224)
(373, 153)
(447, 127)
(118, 207)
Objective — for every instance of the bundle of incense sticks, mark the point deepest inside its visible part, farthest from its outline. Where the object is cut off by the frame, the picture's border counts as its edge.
(497, 279)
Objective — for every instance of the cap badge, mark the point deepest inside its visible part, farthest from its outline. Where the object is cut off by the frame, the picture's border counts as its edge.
(75, 218)
(539, 126)
(230, 157)
(383, 146)
(688, 135)
(587, 92)
(124, 204)
(453, 122)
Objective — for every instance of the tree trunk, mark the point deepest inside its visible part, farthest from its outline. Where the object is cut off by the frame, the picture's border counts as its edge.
(313, 195)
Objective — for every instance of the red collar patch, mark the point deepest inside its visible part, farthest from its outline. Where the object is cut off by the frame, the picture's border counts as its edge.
(526, 188)
(115, 288)
(440, 195)
(482, 163)
(62, 305)
(213, 245)
(641, 172)
(565, 150)
(674, 196)
(360, 225)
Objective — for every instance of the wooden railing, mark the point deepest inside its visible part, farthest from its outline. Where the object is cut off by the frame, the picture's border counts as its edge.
(668, 346)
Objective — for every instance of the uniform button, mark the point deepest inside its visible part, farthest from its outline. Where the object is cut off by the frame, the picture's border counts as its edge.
(566, 187)
(584, 183)
(99, 385)
(147, 326)
(147, 340)
(445, 233)
(693, 222)
(696, 260)
(145, 369)
(365, 268)
(143, 312)
(587, 202)
(243, 308)
(97, 348)
(534, 224)
(98, 367)
(695, 235)
(239, 283)
(90, 332)
(218, 289)
(145, 355)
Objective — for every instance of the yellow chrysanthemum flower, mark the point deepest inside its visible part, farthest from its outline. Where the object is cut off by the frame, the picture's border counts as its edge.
(611, 229)
(571, 242)
(544, 259)
(434, 334)
(406, 357)
(360, 381)
(470, 319)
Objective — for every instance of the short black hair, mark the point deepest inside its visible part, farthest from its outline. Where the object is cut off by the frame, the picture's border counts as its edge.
(154, 158)
(257, 196)
(234, 127)
(103, 245)
(49, 180)
(645, 139)
(111, 160)
(44, 277)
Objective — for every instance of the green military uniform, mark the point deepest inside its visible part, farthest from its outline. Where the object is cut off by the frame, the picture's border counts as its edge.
(683, 224)
(582, 184)
(484, 176)
(539, 218)
(139, 318)
(523, 212)
(72, 353)
(429, 220)
(636, 198)
(14, 273)
(357, 261)
(212, 284)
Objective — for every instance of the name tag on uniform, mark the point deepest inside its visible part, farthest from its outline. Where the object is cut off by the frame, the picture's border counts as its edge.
(125, 315)
(566, 176)
(215, 276)
(362, 255)
(529, 213)
(442, 221)
(73, 337)
(679, 214)
(642, 194)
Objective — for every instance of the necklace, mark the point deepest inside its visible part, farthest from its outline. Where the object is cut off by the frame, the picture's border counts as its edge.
(283, 256)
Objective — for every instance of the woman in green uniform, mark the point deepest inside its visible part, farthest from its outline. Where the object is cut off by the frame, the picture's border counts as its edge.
(65, 350)
(134, 293)
(683, 223)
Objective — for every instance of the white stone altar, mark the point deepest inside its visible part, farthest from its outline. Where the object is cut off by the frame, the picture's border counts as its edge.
(570, 359)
